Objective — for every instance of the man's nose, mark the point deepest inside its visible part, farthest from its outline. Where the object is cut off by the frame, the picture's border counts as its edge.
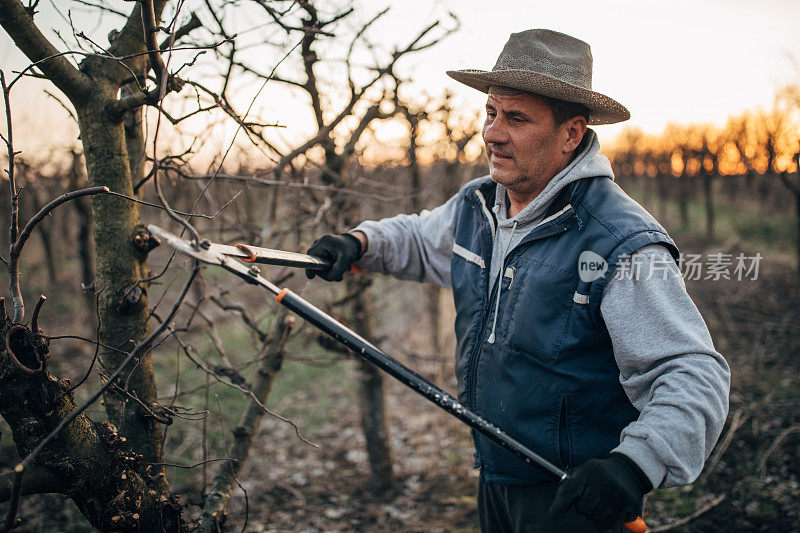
(494, 132)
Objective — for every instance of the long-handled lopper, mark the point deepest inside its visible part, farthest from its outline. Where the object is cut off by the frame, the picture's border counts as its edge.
(256, 254)
(222, 255)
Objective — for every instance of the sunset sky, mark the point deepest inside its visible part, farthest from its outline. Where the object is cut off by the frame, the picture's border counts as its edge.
(677, 60)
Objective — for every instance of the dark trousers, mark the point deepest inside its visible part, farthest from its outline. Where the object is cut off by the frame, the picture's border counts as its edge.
(523, 509)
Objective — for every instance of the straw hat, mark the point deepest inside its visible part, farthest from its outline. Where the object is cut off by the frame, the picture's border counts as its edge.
(548, 63)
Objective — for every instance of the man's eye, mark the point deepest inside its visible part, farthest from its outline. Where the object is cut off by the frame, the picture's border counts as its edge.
(517, 120)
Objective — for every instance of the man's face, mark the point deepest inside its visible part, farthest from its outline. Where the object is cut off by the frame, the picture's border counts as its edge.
(524, 147)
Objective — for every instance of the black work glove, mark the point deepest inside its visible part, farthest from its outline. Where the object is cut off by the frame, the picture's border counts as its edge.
(341, 250)
(607, 491)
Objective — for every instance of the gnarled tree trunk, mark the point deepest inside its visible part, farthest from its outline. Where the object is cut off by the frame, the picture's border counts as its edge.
(121, 244)
(88, 461)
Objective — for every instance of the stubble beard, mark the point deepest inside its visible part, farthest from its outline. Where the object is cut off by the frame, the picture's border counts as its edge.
(520, 185)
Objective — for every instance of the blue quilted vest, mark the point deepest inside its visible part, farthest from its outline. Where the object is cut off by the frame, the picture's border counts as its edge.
(549, 378)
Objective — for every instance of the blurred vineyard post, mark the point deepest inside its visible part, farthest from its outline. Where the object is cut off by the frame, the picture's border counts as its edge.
(790, 98)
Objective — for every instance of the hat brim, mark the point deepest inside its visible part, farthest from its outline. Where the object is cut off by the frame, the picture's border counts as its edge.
(604, 110)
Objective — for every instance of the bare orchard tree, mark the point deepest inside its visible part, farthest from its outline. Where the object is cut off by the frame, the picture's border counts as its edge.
(115, 471)
(328, 157)
(121, 241)
(449, 173)
(99, 458)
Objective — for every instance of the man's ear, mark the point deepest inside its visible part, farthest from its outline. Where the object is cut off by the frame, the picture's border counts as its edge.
(574, 128)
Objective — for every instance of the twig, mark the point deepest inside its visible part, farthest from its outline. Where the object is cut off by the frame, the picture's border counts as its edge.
(215, 340)
(239, 127)
(96, 346)
(217, 522)
(303, 185)
(13, 274)
(150, 32)
(187, 350)
(124, 391)
(102, 7)
(190, 467)
(762, 463)
(737, 421)
(63, 105)
(182, 213)
(17, 244)
(162, 88)
(108, 56)
(36, 311)
(193, 23)
(30, 40)
(695, 514)
(90, 341)
(262, 336)
(205, 435)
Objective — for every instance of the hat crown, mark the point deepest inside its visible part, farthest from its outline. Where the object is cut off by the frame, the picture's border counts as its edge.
(550, 53)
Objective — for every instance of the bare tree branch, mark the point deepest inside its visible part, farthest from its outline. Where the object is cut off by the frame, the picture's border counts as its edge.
(150, 31)
(63, 105)
(19, 243)
(129, 39)
(695, 514)
(19, 25)
(188, 351)
(762, 462)
(371, 114)
(193, 23)
(101, 7)
(262, 336)
(220, 494)
(21, 469)
(301, 185)
(323, 136)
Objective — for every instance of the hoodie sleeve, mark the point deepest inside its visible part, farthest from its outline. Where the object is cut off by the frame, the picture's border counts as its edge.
(416, 247)
(669, 369)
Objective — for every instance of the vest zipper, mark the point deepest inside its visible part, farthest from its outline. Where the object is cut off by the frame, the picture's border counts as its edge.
(492, 336)
(473, 357)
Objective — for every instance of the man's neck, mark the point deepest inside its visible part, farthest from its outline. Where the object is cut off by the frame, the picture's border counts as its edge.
(517, 202)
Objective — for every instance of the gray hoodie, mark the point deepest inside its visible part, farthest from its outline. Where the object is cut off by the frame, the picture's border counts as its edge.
(668, 365)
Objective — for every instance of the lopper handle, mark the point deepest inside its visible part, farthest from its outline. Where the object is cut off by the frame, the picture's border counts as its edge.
(406, 376)
(637, 526)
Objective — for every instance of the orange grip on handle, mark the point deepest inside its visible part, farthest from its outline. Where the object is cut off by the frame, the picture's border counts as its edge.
(637, 526)
(356, 270)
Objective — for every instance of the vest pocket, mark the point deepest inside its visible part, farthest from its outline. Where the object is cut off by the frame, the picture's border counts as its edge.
(534, 309)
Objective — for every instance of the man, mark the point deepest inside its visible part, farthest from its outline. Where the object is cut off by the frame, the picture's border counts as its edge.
(604, 369)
